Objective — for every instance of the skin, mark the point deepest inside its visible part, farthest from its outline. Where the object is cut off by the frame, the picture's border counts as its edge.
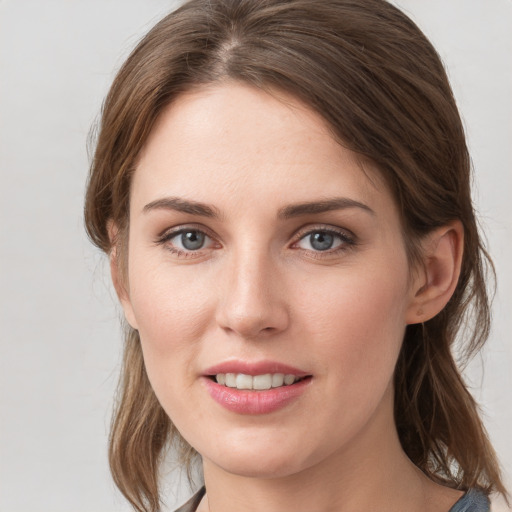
(258, 290)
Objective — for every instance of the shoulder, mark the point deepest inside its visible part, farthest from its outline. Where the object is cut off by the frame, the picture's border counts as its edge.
(472, 501)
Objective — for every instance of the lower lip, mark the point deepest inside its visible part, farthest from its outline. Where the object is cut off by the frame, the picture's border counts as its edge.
(244, 401)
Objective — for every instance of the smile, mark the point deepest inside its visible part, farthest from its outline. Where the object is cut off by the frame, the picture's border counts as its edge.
(256, 382)
(255, 387)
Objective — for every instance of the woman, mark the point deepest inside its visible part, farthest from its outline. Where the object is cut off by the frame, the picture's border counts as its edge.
(283, 189)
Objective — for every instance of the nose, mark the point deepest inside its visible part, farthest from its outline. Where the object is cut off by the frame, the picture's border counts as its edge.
(252, 297)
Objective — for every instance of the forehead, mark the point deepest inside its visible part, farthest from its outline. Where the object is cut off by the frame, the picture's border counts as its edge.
(246, 142)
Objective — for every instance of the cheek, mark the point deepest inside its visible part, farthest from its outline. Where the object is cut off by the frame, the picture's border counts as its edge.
(172, 320)
(355, 329)
(357, 322)
(172, 316)
(166, 302)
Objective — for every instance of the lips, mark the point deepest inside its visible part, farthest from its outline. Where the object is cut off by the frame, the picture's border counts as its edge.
(256, 368)
(255, 388)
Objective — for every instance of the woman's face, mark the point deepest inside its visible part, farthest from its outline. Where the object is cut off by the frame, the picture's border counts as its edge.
(261, 255)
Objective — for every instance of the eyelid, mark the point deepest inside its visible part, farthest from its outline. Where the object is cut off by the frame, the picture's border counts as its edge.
(327, 228)
(168, 233)
(348, 241)
(165, 236)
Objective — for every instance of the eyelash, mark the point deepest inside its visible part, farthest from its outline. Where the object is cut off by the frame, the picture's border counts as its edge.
(169, 235)
(348, 240)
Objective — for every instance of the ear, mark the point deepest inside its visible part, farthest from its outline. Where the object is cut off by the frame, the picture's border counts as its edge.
(438, 273)
(119, 273)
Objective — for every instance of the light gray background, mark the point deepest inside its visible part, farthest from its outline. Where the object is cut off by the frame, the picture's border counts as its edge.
(60, 341)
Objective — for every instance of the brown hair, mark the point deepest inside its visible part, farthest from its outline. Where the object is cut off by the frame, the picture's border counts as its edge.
(369, 71)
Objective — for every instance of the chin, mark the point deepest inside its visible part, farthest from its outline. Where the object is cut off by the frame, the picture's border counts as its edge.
(257, 468)
(256, 461)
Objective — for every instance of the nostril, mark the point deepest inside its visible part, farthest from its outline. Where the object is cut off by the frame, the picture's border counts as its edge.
(251, 317)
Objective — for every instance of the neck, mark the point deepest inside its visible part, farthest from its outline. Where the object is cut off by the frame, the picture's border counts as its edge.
(371, 473)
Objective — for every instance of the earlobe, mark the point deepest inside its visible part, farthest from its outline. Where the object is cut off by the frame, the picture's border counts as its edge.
(437, 280)
(119, 274)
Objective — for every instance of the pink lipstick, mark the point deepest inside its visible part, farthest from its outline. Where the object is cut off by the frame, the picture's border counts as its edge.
(255, 388)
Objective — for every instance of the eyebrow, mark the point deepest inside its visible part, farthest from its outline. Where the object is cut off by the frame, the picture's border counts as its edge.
(326, 205)
(290, 211)
(182, 205)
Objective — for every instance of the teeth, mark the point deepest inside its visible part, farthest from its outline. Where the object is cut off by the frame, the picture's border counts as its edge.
(262, 381)
(256, 382)
(289, 379)
(277, 380)
(243, 381)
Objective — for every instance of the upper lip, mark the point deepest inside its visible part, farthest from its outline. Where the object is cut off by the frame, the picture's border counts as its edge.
(254, 368)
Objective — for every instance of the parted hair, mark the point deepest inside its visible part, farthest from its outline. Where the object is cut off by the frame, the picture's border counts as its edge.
(377, 81)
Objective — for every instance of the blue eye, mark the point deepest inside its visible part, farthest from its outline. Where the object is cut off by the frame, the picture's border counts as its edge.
(186, 240)
(322, 240)
(192, 240)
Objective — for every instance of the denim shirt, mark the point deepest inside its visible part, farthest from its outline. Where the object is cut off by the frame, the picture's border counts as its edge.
(472, 501)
